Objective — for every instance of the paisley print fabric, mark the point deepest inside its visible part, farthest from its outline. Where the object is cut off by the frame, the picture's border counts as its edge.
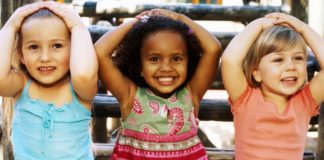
(159, 128)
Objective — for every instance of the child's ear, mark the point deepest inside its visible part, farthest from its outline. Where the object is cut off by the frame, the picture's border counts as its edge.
(256, 76)
(141, 71)
(21, 58)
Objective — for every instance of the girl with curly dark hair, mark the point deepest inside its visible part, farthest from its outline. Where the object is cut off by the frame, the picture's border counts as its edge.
(158, 66)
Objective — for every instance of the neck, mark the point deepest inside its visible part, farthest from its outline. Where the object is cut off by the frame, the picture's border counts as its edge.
(56, 93)
(65, 79)
(280, 100)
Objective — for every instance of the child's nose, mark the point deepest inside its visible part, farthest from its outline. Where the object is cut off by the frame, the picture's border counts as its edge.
(166, 66)
(291, 65)
(45, 55)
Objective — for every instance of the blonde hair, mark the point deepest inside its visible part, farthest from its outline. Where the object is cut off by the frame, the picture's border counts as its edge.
(273, 39)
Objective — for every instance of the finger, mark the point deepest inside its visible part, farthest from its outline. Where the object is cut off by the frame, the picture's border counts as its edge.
(23, 12)
(29, 9)
(157, 12)
(275, 14)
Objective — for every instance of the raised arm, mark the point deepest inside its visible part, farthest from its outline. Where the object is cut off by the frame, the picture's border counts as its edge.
(233, 76)
(208, 64)
(316, 44)
(12, 81)
(118, 84)
(83, 59)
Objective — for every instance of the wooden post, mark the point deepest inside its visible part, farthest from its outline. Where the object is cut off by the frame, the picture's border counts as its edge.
(320, 141)
(8, 7)
(298, 8)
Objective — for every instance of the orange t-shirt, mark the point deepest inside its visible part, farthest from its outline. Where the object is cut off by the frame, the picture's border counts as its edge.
(262, 133)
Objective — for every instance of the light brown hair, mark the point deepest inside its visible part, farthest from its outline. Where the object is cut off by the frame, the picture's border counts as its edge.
(273, 39)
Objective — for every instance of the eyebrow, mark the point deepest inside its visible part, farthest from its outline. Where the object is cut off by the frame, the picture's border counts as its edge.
(53, 40)
(281, 52)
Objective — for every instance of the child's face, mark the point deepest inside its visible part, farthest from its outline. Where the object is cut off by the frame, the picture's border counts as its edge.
(282, 73)
(164, 62)
(46, 49)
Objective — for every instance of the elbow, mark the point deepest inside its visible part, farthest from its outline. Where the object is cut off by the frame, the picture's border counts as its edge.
(87, 84)
(227, 59)
(85, 78)
(217, 48)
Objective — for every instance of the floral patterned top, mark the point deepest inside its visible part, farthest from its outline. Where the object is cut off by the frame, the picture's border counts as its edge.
(159, 128)
(156, 115)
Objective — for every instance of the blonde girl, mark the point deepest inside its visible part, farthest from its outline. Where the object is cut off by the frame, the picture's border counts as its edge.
(264, 73)
(54, 85)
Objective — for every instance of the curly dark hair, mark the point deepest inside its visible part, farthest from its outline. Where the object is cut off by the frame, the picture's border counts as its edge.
(128, 58)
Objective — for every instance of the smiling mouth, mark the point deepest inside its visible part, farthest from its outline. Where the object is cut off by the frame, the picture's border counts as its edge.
(46, 69)
(165, 80)
(289, 80)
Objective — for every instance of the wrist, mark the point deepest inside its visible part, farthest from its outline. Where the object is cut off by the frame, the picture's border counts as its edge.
(302, 28)
(183, 18)
(78, 27)
(10, 28)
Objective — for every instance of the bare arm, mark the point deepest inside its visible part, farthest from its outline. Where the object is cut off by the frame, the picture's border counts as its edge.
(208, 64)
(83, 59)
(118, 84)
(315, 42)
(233, 76)
(12, 81)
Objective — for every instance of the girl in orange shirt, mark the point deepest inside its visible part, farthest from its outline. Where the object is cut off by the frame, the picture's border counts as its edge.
(264, 73)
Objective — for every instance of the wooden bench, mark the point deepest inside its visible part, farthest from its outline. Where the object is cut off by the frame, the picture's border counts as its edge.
(102, 151)
(105, 10)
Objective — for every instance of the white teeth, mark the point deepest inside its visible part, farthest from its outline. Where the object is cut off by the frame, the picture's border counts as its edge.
(46, 68)
(290, 79)
(165, 79)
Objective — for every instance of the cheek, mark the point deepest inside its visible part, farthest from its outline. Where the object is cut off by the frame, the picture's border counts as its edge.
(147, 69)
(303, 71)
(65, 59)
(27, 60)
(183, 69)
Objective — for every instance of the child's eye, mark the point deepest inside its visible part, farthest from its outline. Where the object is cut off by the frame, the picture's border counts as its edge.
(57, 45)
(176, 59)
(277, 60)
(33, 47)
(154, 59)
(299, 58)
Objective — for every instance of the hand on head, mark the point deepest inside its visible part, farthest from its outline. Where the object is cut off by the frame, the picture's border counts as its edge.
(159, 12)
(71, 18)
(286, 19)
(263, 23)
(15, 21)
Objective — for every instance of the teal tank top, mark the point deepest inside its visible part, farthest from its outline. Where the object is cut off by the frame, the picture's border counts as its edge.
(41, 131)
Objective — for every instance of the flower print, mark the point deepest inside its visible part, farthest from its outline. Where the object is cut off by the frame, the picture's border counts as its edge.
(155, 106)
(193, 120)
(137, 107)
(148, 129)
(173, 99)
(176, 120)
